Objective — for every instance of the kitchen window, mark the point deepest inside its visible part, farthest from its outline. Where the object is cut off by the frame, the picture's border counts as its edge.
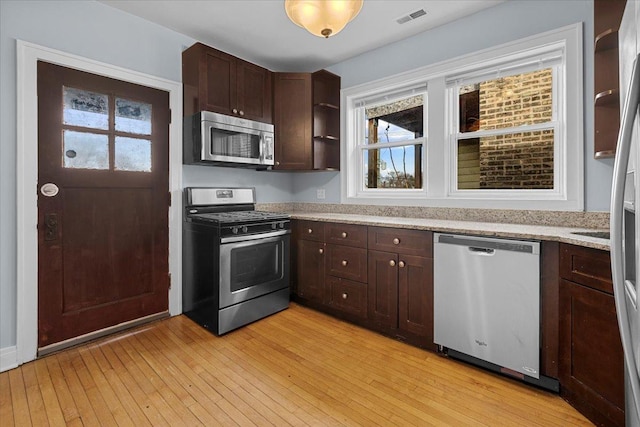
(392, 141)
(501, 128)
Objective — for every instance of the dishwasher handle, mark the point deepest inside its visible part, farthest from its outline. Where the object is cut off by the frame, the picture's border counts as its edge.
(482, 251)
(493, 244)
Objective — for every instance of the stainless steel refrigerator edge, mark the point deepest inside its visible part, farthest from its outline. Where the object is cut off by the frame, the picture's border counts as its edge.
(625, 242)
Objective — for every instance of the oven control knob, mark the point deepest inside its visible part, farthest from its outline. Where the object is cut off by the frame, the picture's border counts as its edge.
(274, 225)
(245, 229)
(281, 225)
(234, 230)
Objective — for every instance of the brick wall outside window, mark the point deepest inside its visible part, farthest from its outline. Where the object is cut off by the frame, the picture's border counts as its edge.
(513, 161)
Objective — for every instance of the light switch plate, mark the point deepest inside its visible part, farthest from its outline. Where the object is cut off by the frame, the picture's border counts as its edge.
(320, 193)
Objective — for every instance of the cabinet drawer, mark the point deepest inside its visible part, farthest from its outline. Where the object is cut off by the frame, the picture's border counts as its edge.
(310, 230)
(347, 262)
(346, 234)
(348, 296)
(409, 242)
(586, 266)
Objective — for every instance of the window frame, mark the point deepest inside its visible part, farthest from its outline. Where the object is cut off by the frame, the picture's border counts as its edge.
(364, 191)
(439, 151)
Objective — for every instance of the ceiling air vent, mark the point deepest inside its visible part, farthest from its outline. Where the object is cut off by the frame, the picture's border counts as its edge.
(411, 16)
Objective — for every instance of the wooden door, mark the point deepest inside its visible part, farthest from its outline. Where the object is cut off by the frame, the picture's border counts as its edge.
(415, 296)
(310, 258)
(591, 359)
(219, 89)
(292, 119)
(382, 294)
(254, 92)
(103, 180)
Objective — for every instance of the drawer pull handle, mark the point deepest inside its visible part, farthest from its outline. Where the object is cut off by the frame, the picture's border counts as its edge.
(310, 231)
(392, 263)
(345, 296)
(344, 262)
(344, 235)
(396, 241)
(321, 251)
(401, 264)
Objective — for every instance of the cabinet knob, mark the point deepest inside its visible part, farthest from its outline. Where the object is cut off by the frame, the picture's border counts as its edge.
(344, 235)
(235, 111)
(396, 241)
(344, 262)
(345, 296)
(320, 251)
(241, 113)
(392, 263)
(277, 163)
(401, 264)
(310, 231)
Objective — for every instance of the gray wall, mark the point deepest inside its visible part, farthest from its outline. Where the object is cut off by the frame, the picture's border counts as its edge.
(506, 22)
(102, 33)
(96, 31)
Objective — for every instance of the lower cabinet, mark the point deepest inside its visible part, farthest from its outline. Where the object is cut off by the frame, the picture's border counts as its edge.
(310, 270)
(378, 277)
(591, 368)
(382, 278)
(383, 291)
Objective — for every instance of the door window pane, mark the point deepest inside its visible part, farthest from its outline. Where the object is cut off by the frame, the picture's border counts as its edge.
(84, 150)
(133, 154)
(84, 108)
(393, 167)
(133, 117)
(513, 161)
(522, 99)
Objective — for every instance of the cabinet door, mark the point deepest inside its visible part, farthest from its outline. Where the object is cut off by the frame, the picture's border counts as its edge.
(591, 359)
(218, 91)
(415, 296)
(382, 293)
(292, 119)
(254, 92)
(310, 269)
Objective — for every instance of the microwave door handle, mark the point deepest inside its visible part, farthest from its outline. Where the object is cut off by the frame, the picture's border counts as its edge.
(261, 147)
(205, 143)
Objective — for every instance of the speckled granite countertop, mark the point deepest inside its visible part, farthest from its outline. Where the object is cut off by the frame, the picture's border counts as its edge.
(519, 231)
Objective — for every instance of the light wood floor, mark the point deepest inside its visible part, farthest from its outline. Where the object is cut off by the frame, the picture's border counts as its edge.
(297, 367)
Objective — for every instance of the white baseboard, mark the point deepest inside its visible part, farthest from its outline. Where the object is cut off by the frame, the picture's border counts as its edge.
(8, 358)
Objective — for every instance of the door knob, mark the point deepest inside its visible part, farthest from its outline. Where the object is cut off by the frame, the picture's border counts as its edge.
(401, 264)
(49, 189)
(392, 263)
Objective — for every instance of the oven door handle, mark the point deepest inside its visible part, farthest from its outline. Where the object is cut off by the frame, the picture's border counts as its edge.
(235, 239)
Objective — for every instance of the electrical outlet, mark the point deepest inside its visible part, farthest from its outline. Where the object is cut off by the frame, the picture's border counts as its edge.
(320, 193)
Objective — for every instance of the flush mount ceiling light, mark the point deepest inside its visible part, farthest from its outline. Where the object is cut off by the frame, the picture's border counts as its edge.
(322, 18)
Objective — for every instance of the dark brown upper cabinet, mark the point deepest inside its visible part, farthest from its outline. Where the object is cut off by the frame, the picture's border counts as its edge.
(307, 121)
(607, 15)
(218, 82)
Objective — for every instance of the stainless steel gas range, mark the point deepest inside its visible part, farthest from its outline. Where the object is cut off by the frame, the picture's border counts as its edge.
(235, 259)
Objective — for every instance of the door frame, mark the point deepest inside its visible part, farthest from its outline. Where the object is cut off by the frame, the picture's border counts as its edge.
(28, 55)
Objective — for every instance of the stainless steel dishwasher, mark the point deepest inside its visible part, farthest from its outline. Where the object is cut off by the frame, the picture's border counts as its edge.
(487, 304)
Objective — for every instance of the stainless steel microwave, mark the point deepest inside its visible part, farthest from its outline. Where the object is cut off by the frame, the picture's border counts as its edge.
(216, 139)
